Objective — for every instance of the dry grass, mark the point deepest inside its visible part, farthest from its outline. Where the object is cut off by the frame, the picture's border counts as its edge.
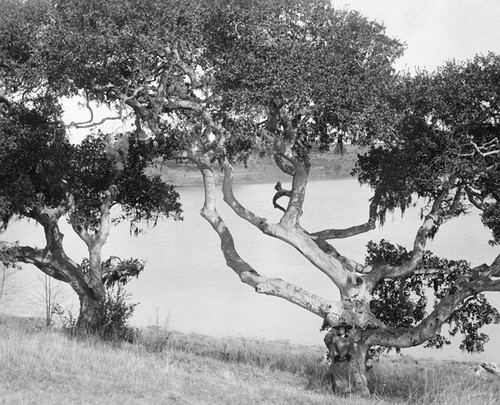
(423, 382)
(46, 367)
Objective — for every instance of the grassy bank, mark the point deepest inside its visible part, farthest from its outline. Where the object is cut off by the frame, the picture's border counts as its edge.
(326, 166)
(46, 367)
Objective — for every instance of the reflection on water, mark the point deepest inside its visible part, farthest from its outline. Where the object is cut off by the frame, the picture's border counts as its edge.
(187, 282)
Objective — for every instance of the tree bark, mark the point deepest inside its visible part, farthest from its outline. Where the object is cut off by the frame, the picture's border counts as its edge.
(95, 274)
(96, 291)
(87, 320)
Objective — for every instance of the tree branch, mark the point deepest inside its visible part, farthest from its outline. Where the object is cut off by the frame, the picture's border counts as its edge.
(41, 258)
(78, 226)
(300, 172)
(348, 264)
(105, 222)
(294, 209)
(90, 122)
(280, 161)
(186, 70)
(353, 230)
(479, 280)
(331, 265)
(162, 86)
(434, 218)
(53, 261)
(489, 148)
(264, 285)
(131, 101)
(425, 330)
(229, 198)
(475, 198)
(280, 192)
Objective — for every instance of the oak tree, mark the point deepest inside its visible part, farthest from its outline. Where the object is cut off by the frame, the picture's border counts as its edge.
(220, 80)
(45, 178)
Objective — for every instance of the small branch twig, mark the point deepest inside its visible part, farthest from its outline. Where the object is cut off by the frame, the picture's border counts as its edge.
(280, 192)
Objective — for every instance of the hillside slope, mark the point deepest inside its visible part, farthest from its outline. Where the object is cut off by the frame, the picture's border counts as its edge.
(326, 165)
(40, 366)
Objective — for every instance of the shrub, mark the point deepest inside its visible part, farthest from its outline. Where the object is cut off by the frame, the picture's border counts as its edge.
(112, 317)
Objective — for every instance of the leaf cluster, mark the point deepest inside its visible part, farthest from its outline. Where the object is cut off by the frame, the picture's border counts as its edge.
(7, 259)
(405, 302)
(330, 70)
(448, 125)
(40, 167)
(125, 44)
(33, 154)
(21, 45)
(103, 160)
(113, 316)
(116, 272)
(111, 322)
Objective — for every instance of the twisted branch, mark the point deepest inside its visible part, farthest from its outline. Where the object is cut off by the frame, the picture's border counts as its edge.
(263, 285)
(356, 229)
(280, 192)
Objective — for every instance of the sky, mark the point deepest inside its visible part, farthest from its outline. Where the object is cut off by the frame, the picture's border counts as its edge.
(435, 30)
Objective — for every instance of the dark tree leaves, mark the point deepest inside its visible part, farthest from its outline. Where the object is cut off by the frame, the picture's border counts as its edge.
(448, 127)
(39, 166)
(404, 302)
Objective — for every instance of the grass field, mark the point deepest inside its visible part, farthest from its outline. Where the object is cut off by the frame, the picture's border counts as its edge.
(40, 366)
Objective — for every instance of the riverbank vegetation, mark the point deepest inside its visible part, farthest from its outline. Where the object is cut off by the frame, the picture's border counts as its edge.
(327, 165)
(45, 366)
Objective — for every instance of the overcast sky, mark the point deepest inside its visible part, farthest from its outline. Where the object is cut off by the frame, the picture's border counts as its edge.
(435, 30)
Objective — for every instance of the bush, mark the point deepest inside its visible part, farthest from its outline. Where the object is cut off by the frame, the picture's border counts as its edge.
(111, 318)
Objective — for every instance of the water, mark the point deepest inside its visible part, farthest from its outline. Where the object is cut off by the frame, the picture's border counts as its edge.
(187, 284)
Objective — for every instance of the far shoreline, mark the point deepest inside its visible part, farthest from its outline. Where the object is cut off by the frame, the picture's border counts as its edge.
(251, 180)
(327, 165)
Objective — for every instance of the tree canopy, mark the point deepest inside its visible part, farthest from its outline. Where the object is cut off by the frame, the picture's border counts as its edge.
(40, 165)
(44, 177)
(448, 132)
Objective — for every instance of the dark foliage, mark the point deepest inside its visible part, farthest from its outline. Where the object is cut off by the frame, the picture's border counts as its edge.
(113, 316)
(449, 127)
(404, 302)
(39, 166)
(28, 177)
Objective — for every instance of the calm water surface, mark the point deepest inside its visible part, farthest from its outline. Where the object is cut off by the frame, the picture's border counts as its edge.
(188, 285)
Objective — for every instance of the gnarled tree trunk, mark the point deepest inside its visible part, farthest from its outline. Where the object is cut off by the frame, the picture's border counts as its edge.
(53, 261)
(88, 310)
(91, 300)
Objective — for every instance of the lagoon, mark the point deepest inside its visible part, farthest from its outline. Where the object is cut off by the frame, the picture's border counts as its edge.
(187, 285)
